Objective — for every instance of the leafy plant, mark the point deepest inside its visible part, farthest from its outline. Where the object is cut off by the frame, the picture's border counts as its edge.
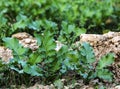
(61, 20)
(50, 64)
(17, 16)
(101, 70)
(84, 64)
(20, 54)
(69, 33)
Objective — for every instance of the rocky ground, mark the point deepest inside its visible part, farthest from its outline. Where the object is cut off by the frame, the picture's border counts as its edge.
(102, 44)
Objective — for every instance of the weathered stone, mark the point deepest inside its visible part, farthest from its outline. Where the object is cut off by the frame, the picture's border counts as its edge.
(5, 54)
(26, 40)
(21, 35)
(104, 44)
(58, 46)
(117, 87)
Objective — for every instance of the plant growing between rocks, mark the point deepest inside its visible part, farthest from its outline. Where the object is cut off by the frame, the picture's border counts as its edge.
(50, 21)
(50, 65)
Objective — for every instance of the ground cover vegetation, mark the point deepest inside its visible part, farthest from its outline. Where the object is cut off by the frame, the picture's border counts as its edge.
(56, 20)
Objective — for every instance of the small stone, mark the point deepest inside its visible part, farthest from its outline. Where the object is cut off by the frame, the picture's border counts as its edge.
(27, 41)
(117, 87)
(21, 35)
(59, 45)
(5, 54)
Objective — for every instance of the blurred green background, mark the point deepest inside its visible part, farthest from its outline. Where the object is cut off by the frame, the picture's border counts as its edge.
(65, 18)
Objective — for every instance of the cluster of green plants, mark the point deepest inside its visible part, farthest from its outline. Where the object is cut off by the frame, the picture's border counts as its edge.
(48, 21)
(59, 15)
(49, 65)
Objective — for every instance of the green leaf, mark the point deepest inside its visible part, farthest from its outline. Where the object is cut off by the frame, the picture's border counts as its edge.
(20, 24)
(87, 52)
(59, 84)
(21, 17)
(3, 20)
(51, 53)
(63, 50)
(80, 31)
(21, 50)
(71, 28)
(35, 25)
(22, 21)
(35, 58)
(22, 62)
(55, 66)
(105, 61)
(73, 56)
(67, 63)
(32, 70)
(38, 37)
(13, 44)
(16, 69)
(105, 74)
(49, 25)
(46, 41)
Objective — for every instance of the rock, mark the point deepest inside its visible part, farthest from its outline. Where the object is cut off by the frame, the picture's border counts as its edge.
(38, 86)
(86, 87)
(22, 35)
(104, 44)
(26, 40)
(5, 54)
(58, 46)
(91, 38)
(117, 87)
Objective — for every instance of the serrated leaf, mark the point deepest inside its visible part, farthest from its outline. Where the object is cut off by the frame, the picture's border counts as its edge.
(3, 20)
(49, 24)
(32, 70)
(35, 25)
(71, 28)
(87, 51)
(35, 58)
(21, 50)
(104, 74)
(13, 44)
(38, 37)
(48, 42)
(55, 66)
(73, 56)
(19, 24)
(50, 47)
(21, 17)
(63, 50)
(51, 53)
(105, 61)
(80, 31)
